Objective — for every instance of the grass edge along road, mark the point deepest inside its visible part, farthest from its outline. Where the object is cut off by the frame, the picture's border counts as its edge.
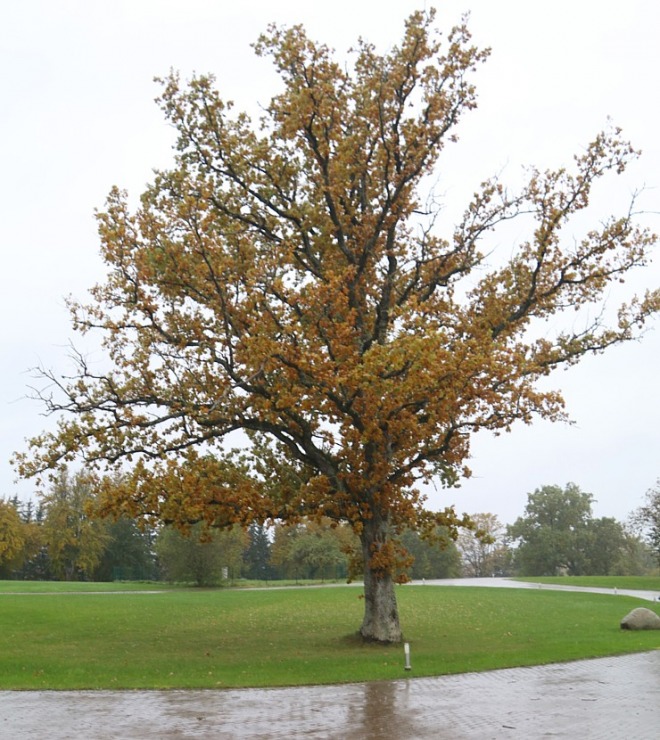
(221, 638)
(632, 583)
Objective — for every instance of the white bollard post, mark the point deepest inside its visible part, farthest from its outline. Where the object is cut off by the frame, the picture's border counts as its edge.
(406, 651)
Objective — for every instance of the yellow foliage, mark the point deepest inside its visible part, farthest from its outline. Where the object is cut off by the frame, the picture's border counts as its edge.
(281, 281)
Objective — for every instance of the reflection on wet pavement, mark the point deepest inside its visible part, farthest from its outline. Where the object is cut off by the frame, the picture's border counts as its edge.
(604, 698)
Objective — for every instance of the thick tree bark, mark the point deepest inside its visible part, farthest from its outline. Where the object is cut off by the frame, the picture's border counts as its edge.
(381, 613)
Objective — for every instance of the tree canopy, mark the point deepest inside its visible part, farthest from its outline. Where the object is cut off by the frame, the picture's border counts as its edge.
(484, 552)
(558, 535)
(75, 542)
(12, 537)
(205, 558)
(287, 279)
(647, 518)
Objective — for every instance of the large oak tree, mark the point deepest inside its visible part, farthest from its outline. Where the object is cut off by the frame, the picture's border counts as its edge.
(286, 279)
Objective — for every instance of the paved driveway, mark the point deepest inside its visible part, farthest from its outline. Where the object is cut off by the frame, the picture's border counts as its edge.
(509, 583)
(616, 698)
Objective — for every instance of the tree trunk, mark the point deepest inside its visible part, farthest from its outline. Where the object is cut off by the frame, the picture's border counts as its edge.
(381, 613)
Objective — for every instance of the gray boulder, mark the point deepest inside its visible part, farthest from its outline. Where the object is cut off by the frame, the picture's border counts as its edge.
(641, 619)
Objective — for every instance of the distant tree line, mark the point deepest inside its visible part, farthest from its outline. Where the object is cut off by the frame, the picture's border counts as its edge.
(60, 538)
(558, 534)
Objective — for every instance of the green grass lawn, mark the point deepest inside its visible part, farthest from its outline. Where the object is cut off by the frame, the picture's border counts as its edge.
(49, 587)
(82, 586)
(231, 638)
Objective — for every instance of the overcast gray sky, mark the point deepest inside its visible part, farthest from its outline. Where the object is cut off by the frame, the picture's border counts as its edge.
(77, 116)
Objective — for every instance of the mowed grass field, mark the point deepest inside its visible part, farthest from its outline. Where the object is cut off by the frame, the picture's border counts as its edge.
(189, 638)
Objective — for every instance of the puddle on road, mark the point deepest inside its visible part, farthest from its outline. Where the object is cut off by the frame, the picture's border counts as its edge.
(605, 698)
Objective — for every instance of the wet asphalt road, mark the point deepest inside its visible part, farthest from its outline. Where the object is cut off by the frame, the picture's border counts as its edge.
(616, 698)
